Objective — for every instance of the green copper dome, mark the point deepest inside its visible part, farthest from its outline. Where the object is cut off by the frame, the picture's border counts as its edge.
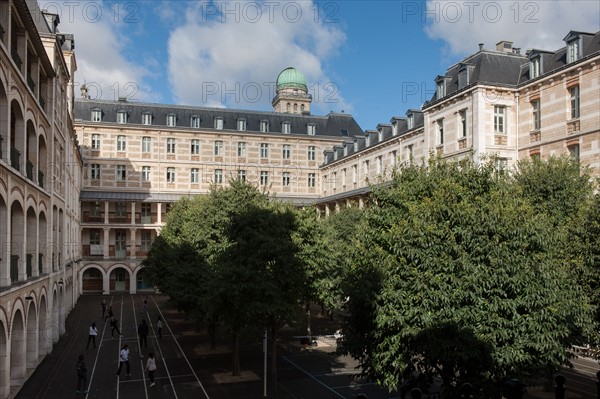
(291, 78)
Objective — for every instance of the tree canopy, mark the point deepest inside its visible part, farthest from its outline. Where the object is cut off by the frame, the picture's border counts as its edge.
(455, 267)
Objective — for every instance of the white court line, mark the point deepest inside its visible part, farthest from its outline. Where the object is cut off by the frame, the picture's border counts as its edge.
(179, 346)
(97, 354)
(139, 347)
(312, 376)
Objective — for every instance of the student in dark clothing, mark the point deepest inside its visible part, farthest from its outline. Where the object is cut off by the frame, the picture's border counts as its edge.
(81, 375)
(103, 304)
(143, 333)
(114, 326)
(109, 314)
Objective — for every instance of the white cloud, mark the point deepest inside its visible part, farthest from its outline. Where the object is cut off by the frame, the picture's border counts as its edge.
(228, 53)
(529, 24)
(100, 45)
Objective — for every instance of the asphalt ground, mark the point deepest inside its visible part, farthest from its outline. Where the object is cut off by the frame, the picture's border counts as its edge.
(187, 367)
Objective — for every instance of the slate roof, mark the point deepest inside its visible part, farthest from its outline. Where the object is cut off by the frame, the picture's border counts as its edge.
(330, 125)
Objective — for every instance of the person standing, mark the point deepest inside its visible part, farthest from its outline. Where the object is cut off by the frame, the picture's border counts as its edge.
(114, 326)
(81, 375)
(109, 314)
(159, 327)
(92, 336)
(145, 308)
(151, 368)
(103, 304)
(143, 333)
(124, 358)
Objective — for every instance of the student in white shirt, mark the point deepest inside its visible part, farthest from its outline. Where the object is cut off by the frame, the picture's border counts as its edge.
(151, 368)
(124, 358)
(92, 335)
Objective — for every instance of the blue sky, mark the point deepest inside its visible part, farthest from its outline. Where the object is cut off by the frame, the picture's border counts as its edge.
(374, 59)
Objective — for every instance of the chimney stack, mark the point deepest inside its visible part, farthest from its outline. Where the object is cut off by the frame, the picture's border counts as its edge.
(480, 46)
(504, 46)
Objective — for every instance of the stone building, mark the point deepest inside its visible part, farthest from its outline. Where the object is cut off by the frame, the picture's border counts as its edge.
(40, 180)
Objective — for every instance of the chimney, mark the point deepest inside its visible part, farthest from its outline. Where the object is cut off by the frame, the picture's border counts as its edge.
(504, 46)
(480, 46)
(517, 50)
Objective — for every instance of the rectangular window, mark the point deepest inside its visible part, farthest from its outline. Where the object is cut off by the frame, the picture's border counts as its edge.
(121, 143)
(574, 91)
(379, 165)
(121, 117)
(534, 68)
(121, 173)
(218, 123)
(195, 175)
(146, 119)
(536, 117)
(95, 237)
(366, 167)
(195, 122)
(241, 175)
(95, 209)
(354, 174)
(311, 153)
(218, 176)
(441, 89)
(120, 209)
(195, 147)
(146, 144)
(463, 123)
(171, 120)
(146, 209)
(574, 151)
(145, 173)
(573, 51)
(311, 180)
(95, 171)
(286, 179)
(264, 178)
(95, 141)
(499, 119)
(286, 127)
(410, 151)
(393, 158)
(96, 115)
(218, 148)
(311, 129)
(241, 125)
(286, 152)
(264, 126)
(241, 149)
(146, 240)
(170, 145)
(264, 150)
(170, 175)
(440, 131)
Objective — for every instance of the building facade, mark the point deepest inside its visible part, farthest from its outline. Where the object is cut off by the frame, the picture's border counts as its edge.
(40, 180)
(498, 103)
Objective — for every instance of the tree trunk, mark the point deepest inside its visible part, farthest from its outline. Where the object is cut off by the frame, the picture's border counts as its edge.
(273, 344)
(235, 353)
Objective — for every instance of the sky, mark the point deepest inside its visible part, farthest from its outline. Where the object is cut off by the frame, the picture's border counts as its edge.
(373, 59)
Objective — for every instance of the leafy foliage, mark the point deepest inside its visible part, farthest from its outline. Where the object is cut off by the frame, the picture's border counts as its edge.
(456, 247)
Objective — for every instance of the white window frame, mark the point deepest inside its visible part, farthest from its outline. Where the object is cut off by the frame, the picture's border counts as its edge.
(96, 115)
(440, 131)
(194, 175)
(575, 99)
(171, 120)
(121, 117)
(96, 141)
(241, 125)
(95, 171)
(241, 149)
(264, 126)
(286, 127)
(264, 177)
(121, 173)
(171, 145)
(241, 175)
(195, 147)
(536, 114)
(286, 179)
(286, 151)
(218, 176)
(264, 150)
(311, 152)
(573, 50)
(462, 116)
(534, 67)
(218, 148)
(195, 122)
(121, 143)
(147, 119)
(499, 119)
(311, 129)
(146, 144)
(312, 180)
(218, 123)
(171, 175)
(146, 170)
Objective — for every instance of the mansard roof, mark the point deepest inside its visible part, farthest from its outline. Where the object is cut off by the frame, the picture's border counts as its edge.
(331, 125)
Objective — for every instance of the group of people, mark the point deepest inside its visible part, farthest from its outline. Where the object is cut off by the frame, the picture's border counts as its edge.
(143, 331)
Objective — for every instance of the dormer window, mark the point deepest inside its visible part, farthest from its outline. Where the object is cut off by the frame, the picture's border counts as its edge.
(96, 115)
(410, 121)
(121, 116)
(440, 87)
(195, 122)
(535, 67)
(573, 50)
(264, 126)
(218, 123)
(311, 129)
(380, 136)
(146, 118)
(241, 125)
(286, 127)
(171, 120)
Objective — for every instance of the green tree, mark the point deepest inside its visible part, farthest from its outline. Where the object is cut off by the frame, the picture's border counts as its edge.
(452, 256)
